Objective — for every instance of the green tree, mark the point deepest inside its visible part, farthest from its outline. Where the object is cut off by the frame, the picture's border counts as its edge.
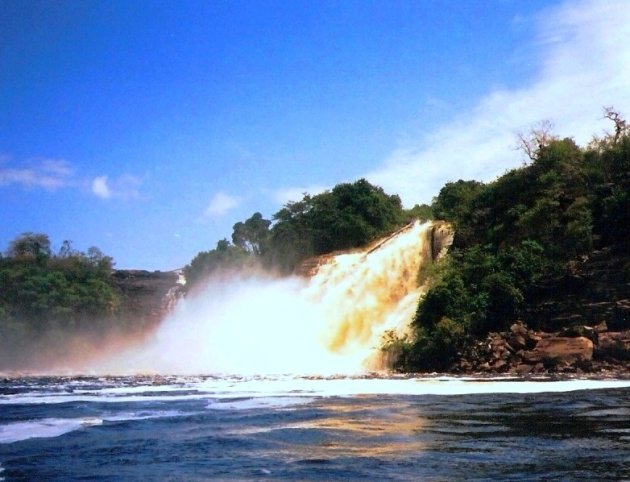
(423, 212)
(252, 235)
(459, 203)
(348, 216)
(30, 246)
(225, 258)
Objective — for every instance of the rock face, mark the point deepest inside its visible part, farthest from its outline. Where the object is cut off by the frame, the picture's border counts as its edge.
(579, 321)
(442, 236)
(615, 345)
(522, 351)
(560, 350)
(146, 297)
(593, 290)
(440, 239)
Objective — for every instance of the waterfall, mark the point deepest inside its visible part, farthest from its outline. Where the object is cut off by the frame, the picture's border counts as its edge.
(329, 321)
(174, 293)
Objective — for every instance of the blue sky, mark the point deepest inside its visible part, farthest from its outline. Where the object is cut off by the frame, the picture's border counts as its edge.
(148, 128)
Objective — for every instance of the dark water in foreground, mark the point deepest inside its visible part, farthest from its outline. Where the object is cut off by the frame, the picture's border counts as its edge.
(287, 428)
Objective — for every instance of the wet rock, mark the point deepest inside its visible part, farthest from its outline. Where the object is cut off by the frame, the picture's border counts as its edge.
(500, 365)
(578, 331)
(621, 315)
(576, 349)
(560, 351)
(615, 345)
(146, 297)
(442, 236)
(520, 338)
(523, 369)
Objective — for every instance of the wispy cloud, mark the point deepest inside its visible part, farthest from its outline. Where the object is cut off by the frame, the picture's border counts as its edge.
(50, 174)
(55, 174)
(582, 55)
(124, 187)
(100, 188)
(220, 204)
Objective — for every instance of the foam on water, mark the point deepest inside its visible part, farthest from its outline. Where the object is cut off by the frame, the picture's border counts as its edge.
(287, 390)
(45, 428)
(259, 402)
(55, 427)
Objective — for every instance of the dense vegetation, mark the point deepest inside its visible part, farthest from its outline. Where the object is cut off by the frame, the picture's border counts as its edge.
(47, 296)
(517, 238)
(348, 216)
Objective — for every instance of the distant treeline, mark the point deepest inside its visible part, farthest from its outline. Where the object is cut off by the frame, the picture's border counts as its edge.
(63, 288)
(46, 294)
(55, 303)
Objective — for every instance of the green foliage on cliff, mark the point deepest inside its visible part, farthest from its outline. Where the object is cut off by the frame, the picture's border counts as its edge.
(224, 258)
(44, 292)
(348, 216)
(37, 285)
(511, 235)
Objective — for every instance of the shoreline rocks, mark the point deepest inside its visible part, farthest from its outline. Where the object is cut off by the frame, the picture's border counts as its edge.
(521, 351)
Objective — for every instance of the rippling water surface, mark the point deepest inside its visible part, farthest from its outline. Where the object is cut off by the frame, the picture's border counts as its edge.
(295, 428)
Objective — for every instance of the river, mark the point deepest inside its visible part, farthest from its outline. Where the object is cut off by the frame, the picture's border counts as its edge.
(313, 428)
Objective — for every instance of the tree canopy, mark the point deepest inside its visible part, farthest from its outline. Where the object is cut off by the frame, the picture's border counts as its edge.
(348, 216)
(45, 294)
(518, 236)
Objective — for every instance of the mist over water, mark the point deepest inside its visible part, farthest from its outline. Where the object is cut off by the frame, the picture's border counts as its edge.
(330, 323)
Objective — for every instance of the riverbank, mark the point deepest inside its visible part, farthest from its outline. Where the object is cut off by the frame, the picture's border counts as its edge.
(584, 350)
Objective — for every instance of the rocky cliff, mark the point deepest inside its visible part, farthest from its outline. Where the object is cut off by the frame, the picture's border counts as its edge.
(524, 351)
(594, 290)
(579, 322)
(146, 297)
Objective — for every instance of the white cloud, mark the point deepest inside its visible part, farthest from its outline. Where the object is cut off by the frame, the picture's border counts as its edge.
(100, 187)
(583, 62)
(123, 187)
(54, 174)
(49, 174)
(220, 204)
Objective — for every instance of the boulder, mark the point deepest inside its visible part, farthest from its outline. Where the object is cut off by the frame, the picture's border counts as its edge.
(621, 316)
(580, 330)
(520, 338)
(557, 350)
(614, 345)
(523, 369)
(500, 365)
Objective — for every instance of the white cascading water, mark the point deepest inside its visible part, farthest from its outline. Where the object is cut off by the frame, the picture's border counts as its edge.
(329, 323)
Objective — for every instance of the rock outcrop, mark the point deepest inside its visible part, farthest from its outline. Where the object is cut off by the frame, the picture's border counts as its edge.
(614, 345)
(559, 351)
(146, 297)
(593, 290)
(442, 236)
(522, 351)
(439, 240)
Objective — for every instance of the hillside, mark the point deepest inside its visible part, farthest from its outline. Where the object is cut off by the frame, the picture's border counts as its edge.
(545, 246)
